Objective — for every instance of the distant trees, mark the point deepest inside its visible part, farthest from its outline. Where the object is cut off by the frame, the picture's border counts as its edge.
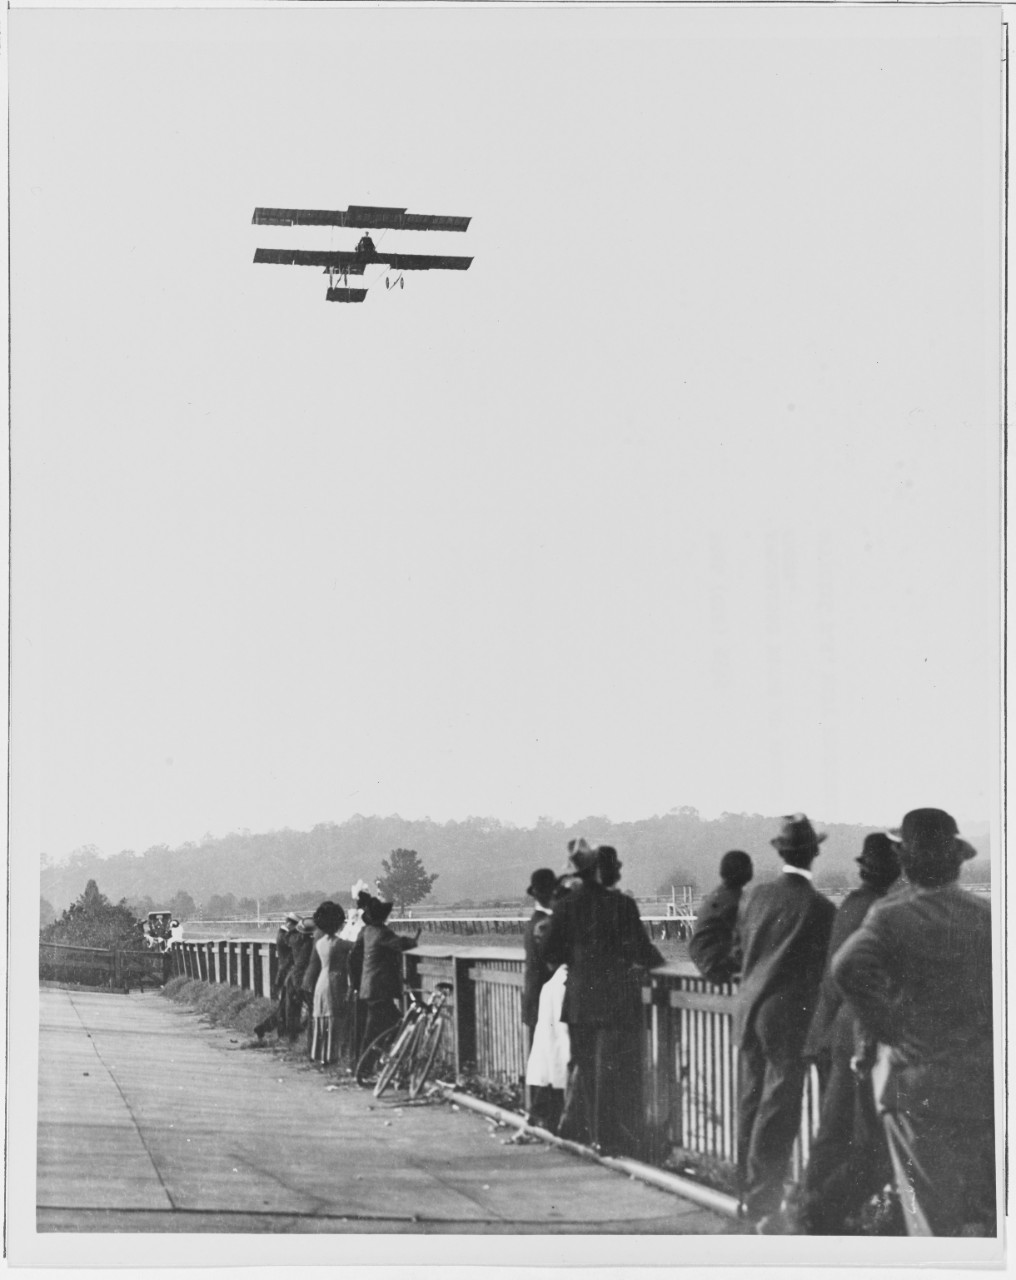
(405, 880)
(47, 912)
(94, 921)
(677, 879)
(220, 906)
(182, 905)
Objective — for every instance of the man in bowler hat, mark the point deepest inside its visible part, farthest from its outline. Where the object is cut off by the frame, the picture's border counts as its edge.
(783, 933)
(918, 973)
(542, 888)
(848, 1161)
(712, 940)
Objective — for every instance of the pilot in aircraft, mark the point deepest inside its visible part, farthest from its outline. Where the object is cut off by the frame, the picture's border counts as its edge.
(366, 247)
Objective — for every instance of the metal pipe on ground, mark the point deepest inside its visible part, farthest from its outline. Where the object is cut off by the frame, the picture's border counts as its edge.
(706, 1197)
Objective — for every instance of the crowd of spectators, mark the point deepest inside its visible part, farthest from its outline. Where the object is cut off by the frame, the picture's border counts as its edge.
(888, 998)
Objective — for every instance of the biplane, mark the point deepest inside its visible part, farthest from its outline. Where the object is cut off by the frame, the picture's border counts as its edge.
(340, 264)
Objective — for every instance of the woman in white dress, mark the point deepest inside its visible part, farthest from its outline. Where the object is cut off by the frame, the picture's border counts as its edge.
(547, 1069)
(327, 977)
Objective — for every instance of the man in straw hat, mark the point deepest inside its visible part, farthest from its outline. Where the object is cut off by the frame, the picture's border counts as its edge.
(848, 1160)
(918, 973)
(783, 930)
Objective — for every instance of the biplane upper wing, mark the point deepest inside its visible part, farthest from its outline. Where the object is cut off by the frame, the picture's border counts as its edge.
(331, 259)
(359, 215)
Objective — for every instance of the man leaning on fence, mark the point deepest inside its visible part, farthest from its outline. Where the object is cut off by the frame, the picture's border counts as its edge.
(783, 933)
(918, 973)
(712, 942)
(280, 1017)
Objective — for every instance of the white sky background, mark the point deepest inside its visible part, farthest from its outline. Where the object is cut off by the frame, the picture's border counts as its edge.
(685, 493)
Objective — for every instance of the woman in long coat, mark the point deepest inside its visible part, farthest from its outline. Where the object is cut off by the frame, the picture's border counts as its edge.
(376, 967)
(327, 977)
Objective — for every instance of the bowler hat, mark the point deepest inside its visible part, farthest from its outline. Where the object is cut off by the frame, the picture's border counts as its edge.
(581, 854)
(878, 856)
(306, 926)
(542, 883)
(796, 833)
(925, 826)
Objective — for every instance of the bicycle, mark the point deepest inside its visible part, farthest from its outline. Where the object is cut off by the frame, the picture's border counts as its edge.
(408, 1050)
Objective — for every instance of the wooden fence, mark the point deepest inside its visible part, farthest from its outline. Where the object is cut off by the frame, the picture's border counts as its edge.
(690, 1058)
(102, 966)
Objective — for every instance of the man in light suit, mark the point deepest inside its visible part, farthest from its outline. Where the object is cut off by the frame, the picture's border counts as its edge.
(918, 974)
(783, 930)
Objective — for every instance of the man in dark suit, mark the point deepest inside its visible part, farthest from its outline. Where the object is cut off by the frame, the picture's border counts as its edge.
(918, 973)
(597, 932)
(712, 940)
(848, 1160)
(783, 933)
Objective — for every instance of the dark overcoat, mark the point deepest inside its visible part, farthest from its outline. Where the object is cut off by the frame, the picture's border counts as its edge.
(376, 964)
(536, 971)
(832, 1027)
(599, 935)
(783, 931)
(712, 946)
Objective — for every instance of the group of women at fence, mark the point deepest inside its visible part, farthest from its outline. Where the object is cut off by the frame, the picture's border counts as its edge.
(341, 977)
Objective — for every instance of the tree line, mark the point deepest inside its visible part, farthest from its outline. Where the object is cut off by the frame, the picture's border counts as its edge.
(475, 861)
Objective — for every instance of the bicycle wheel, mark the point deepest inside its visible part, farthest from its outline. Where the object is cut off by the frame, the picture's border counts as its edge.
(396, 1057)
(426, 1053)
(366, 1065)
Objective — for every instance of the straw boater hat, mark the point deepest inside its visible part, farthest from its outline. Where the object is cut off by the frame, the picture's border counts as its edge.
(796, 833)
(293, 916)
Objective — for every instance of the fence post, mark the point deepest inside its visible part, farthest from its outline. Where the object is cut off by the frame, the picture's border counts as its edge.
(257, 974)
(465, 1014)
(660, 1073)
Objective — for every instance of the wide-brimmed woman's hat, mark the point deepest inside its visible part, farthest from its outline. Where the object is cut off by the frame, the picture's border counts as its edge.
(581, 855)
(796, 833)
(375, 911)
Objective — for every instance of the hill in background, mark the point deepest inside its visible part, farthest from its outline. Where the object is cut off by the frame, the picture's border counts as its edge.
(477, 860)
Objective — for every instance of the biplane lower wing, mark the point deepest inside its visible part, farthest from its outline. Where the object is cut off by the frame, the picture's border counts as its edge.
(345, 295)
(352, 263)
(331, 259)
(422, 262)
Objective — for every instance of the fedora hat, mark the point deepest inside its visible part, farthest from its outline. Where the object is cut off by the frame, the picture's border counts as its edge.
(879, 856)
(796, 833)
(542, 883)
(581, 855)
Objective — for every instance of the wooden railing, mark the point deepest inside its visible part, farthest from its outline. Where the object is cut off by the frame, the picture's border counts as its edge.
(690, 1058)
(93, 966)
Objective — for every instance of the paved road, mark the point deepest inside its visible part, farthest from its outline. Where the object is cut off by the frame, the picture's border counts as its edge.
(149, 1120)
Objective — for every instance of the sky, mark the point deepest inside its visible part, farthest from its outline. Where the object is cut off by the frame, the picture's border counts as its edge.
(686, 493)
